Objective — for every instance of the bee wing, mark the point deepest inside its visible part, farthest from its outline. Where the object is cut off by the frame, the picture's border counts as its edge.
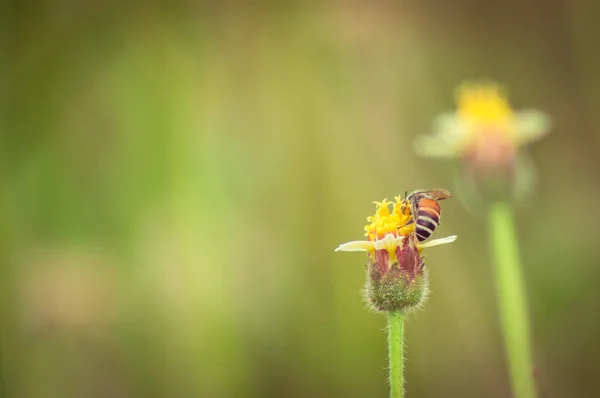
(439, 194)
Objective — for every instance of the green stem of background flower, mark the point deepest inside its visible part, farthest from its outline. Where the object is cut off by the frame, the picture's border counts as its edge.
(512, 299)
(396, 353)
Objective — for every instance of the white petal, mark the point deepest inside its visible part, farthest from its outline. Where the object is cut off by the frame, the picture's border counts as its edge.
(531, 126)
(432, 146)
(448, 133)
(355, 246)
(437, 242)
(448, 128)
(390, 242)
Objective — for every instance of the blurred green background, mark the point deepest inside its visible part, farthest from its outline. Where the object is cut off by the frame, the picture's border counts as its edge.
(176, 175)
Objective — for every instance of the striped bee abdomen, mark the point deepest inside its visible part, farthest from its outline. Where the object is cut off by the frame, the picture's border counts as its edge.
(427, 217)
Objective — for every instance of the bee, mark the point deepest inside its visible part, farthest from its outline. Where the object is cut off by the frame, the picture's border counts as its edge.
(425, 210)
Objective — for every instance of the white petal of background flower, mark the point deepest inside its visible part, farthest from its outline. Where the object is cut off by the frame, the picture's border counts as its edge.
(531, 126)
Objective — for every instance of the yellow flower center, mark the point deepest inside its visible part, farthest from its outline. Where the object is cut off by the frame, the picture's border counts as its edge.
(483, 103)
(485, 111)
(389, 221)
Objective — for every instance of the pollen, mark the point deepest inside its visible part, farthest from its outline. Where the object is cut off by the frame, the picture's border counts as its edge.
(390, 217)
(483, 104)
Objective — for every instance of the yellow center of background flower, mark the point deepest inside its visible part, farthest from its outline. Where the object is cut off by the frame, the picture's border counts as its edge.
(483, 104)
(485, 111)
(389, 218)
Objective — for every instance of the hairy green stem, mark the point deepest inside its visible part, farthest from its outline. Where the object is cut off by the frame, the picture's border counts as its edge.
(511, 299)
(396, 353)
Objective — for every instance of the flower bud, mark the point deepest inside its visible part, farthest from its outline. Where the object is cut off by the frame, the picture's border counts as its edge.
(397, 283)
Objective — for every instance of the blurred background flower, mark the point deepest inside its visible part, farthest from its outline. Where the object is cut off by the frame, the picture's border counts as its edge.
(210, 155)
(485, 135)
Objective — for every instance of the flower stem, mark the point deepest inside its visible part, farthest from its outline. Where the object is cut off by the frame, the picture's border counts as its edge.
(396, 353)
(511, 299)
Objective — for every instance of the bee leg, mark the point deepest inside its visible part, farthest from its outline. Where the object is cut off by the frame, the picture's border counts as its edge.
(411, 221)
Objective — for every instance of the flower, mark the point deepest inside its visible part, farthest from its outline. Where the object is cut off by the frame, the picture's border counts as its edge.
(485, 133)
(396, 275)
(483, 111)
(387, 229)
